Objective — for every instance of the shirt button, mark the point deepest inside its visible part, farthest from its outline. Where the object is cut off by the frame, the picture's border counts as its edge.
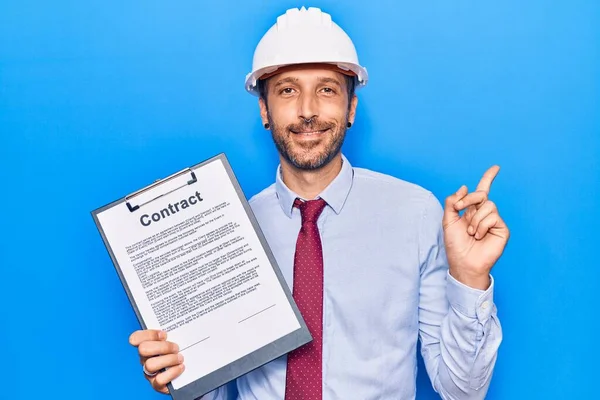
(485, 304)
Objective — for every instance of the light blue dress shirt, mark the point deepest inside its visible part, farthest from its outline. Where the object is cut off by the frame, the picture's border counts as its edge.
(386, 285)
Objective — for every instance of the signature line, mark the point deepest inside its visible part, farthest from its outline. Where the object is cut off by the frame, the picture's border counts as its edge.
(257, 313)
(193, 344)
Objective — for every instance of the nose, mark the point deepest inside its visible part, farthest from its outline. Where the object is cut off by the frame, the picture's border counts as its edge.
(307, 107)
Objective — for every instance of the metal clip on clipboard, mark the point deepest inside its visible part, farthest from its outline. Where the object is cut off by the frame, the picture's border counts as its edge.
(132, 208)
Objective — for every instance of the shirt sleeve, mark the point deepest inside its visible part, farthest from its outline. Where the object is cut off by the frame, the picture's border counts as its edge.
(459, 329)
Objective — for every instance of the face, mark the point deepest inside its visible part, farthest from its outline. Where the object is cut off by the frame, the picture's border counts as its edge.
(308, 111)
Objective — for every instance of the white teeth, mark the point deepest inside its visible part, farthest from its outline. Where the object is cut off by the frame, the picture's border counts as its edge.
(311, 133)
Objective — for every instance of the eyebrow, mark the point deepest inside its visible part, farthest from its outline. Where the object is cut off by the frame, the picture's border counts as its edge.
(289, 79)
(325, 79)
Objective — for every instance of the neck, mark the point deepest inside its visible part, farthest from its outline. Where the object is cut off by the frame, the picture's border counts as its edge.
(308, 184)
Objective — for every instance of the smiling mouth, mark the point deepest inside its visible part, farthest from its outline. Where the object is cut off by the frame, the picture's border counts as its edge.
(310, 133)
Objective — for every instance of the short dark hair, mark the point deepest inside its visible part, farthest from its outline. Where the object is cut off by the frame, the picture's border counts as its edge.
(261, 85)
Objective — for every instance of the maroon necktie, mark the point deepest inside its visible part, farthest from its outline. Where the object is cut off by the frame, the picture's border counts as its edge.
(304, 377)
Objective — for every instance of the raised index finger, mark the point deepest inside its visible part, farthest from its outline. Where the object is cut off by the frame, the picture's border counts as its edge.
(138, 337)
(486, 181)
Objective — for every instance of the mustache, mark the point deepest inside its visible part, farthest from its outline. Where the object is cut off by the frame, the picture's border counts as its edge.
(313, 125)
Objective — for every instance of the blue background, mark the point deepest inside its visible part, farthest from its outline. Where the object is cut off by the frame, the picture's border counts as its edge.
(98, 98)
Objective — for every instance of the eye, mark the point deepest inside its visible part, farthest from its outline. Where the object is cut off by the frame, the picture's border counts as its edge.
(287, 90)
(328, 90)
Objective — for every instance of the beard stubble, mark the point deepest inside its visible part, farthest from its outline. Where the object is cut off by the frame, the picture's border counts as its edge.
(304, 156)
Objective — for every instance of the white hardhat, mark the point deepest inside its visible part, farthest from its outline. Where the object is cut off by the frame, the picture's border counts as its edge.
(302, 36)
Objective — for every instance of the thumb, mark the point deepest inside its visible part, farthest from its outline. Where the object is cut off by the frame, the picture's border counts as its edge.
(450, 213)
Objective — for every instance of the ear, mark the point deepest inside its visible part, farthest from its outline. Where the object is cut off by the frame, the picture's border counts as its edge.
(352, 110)
(263, 111)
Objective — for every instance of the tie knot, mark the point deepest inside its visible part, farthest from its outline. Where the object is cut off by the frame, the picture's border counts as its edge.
(311, 209)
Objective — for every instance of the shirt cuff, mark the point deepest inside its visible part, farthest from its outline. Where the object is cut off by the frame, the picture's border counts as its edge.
(473, 303)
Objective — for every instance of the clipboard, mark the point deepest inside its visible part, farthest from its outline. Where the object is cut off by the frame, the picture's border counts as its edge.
(135, 203)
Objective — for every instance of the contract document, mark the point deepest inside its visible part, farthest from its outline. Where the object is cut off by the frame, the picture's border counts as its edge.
(193, 262)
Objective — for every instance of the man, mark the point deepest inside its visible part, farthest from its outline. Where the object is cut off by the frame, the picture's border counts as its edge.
(375, 263)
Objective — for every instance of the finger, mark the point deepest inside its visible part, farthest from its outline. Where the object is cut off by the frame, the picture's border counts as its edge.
(488, 177)
(485, 225)
(472, 199)
(151, 349)
(155, 364)
(163, 390)
(450, 212)
(486, 209)
(161, 380)
(140, 336)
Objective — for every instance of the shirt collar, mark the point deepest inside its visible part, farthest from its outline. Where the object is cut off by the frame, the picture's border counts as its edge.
(334, 194)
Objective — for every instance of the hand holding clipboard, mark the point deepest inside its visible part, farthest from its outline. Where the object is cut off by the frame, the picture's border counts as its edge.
(195, 264)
